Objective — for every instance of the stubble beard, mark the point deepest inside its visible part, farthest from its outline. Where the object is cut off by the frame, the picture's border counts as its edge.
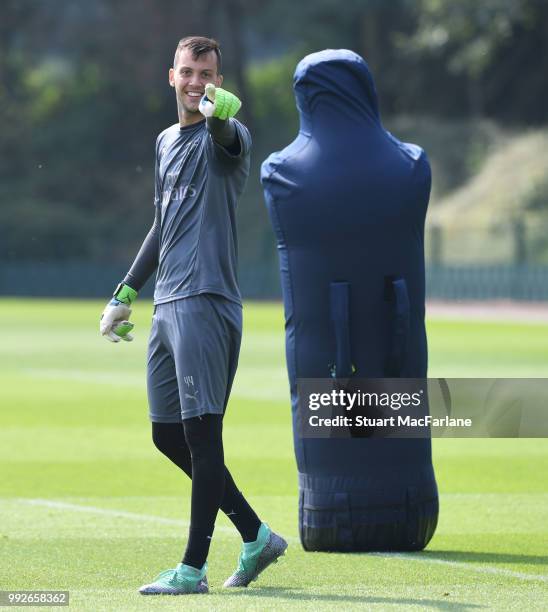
(183, 110)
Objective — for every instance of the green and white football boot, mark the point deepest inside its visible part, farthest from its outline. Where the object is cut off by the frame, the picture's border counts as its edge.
(183, 580)
(257, 556)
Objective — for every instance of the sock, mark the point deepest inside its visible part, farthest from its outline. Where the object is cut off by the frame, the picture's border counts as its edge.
(169, 439)
(197, 547)
(238, 510)
(204, 438)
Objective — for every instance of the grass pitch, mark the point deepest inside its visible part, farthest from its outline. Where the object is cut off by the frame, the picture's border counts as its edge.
(88, 505)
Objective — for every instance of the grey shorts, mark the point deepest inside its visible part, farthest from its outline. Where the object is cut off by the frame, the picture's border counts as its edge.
(192, 357)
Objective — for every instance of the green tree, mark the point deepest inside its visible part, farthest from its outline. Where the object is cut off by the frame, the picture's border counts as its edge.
(497, 49)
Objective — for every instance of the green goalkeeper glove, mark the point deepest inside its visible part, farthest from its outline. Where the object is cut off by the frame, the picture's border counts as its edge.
(114, 324)
(219, 103)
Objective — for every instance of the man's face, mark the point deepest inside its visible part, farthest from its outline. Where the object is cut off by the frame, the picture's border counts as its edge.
(190, 76)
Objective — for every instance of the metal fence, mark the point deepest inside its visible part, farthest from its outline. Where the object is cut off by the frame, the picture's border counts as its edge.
(515, 282)
(522, 241)
(91, 280)
(261, 281)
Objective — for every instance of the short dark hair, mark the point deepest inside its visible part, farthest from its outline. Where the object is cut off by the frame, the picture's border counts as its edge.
(199, 45)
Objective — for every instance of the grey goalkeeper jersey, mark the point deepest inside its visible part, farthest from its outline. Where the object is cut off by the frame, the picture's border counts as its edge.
(197, 185)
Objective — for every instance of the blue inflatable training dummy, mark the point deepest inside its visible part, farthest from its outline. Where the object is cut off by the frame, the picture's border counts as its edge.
(348, 202)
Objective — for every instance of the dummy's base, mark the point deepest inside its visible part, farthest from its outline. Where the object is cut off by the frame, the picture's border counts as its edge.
(394, 517)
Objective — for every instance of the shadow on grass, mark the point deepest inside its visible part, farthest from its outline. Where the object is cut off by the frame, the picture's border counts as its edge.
(294, 594)
(465, 556)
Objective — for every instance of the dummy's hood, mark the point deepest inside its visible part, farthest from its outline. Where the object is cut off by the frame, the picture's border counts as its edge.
(334, 85)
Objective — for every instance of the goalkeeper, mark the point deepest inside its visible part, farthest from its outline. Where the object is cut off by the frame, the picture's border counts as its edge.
(202, 164)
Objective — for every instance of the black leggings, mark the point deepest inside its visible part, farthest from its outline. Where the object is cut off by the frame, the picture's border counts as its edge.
(196, 446)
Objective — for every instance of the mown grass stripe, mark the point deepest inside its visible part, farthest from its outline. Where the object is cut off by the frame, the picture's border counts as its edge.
(484, 569)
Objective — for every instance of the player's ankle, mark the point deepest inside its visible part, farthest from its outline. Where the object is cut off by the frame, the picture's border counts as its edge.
(252, 548)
